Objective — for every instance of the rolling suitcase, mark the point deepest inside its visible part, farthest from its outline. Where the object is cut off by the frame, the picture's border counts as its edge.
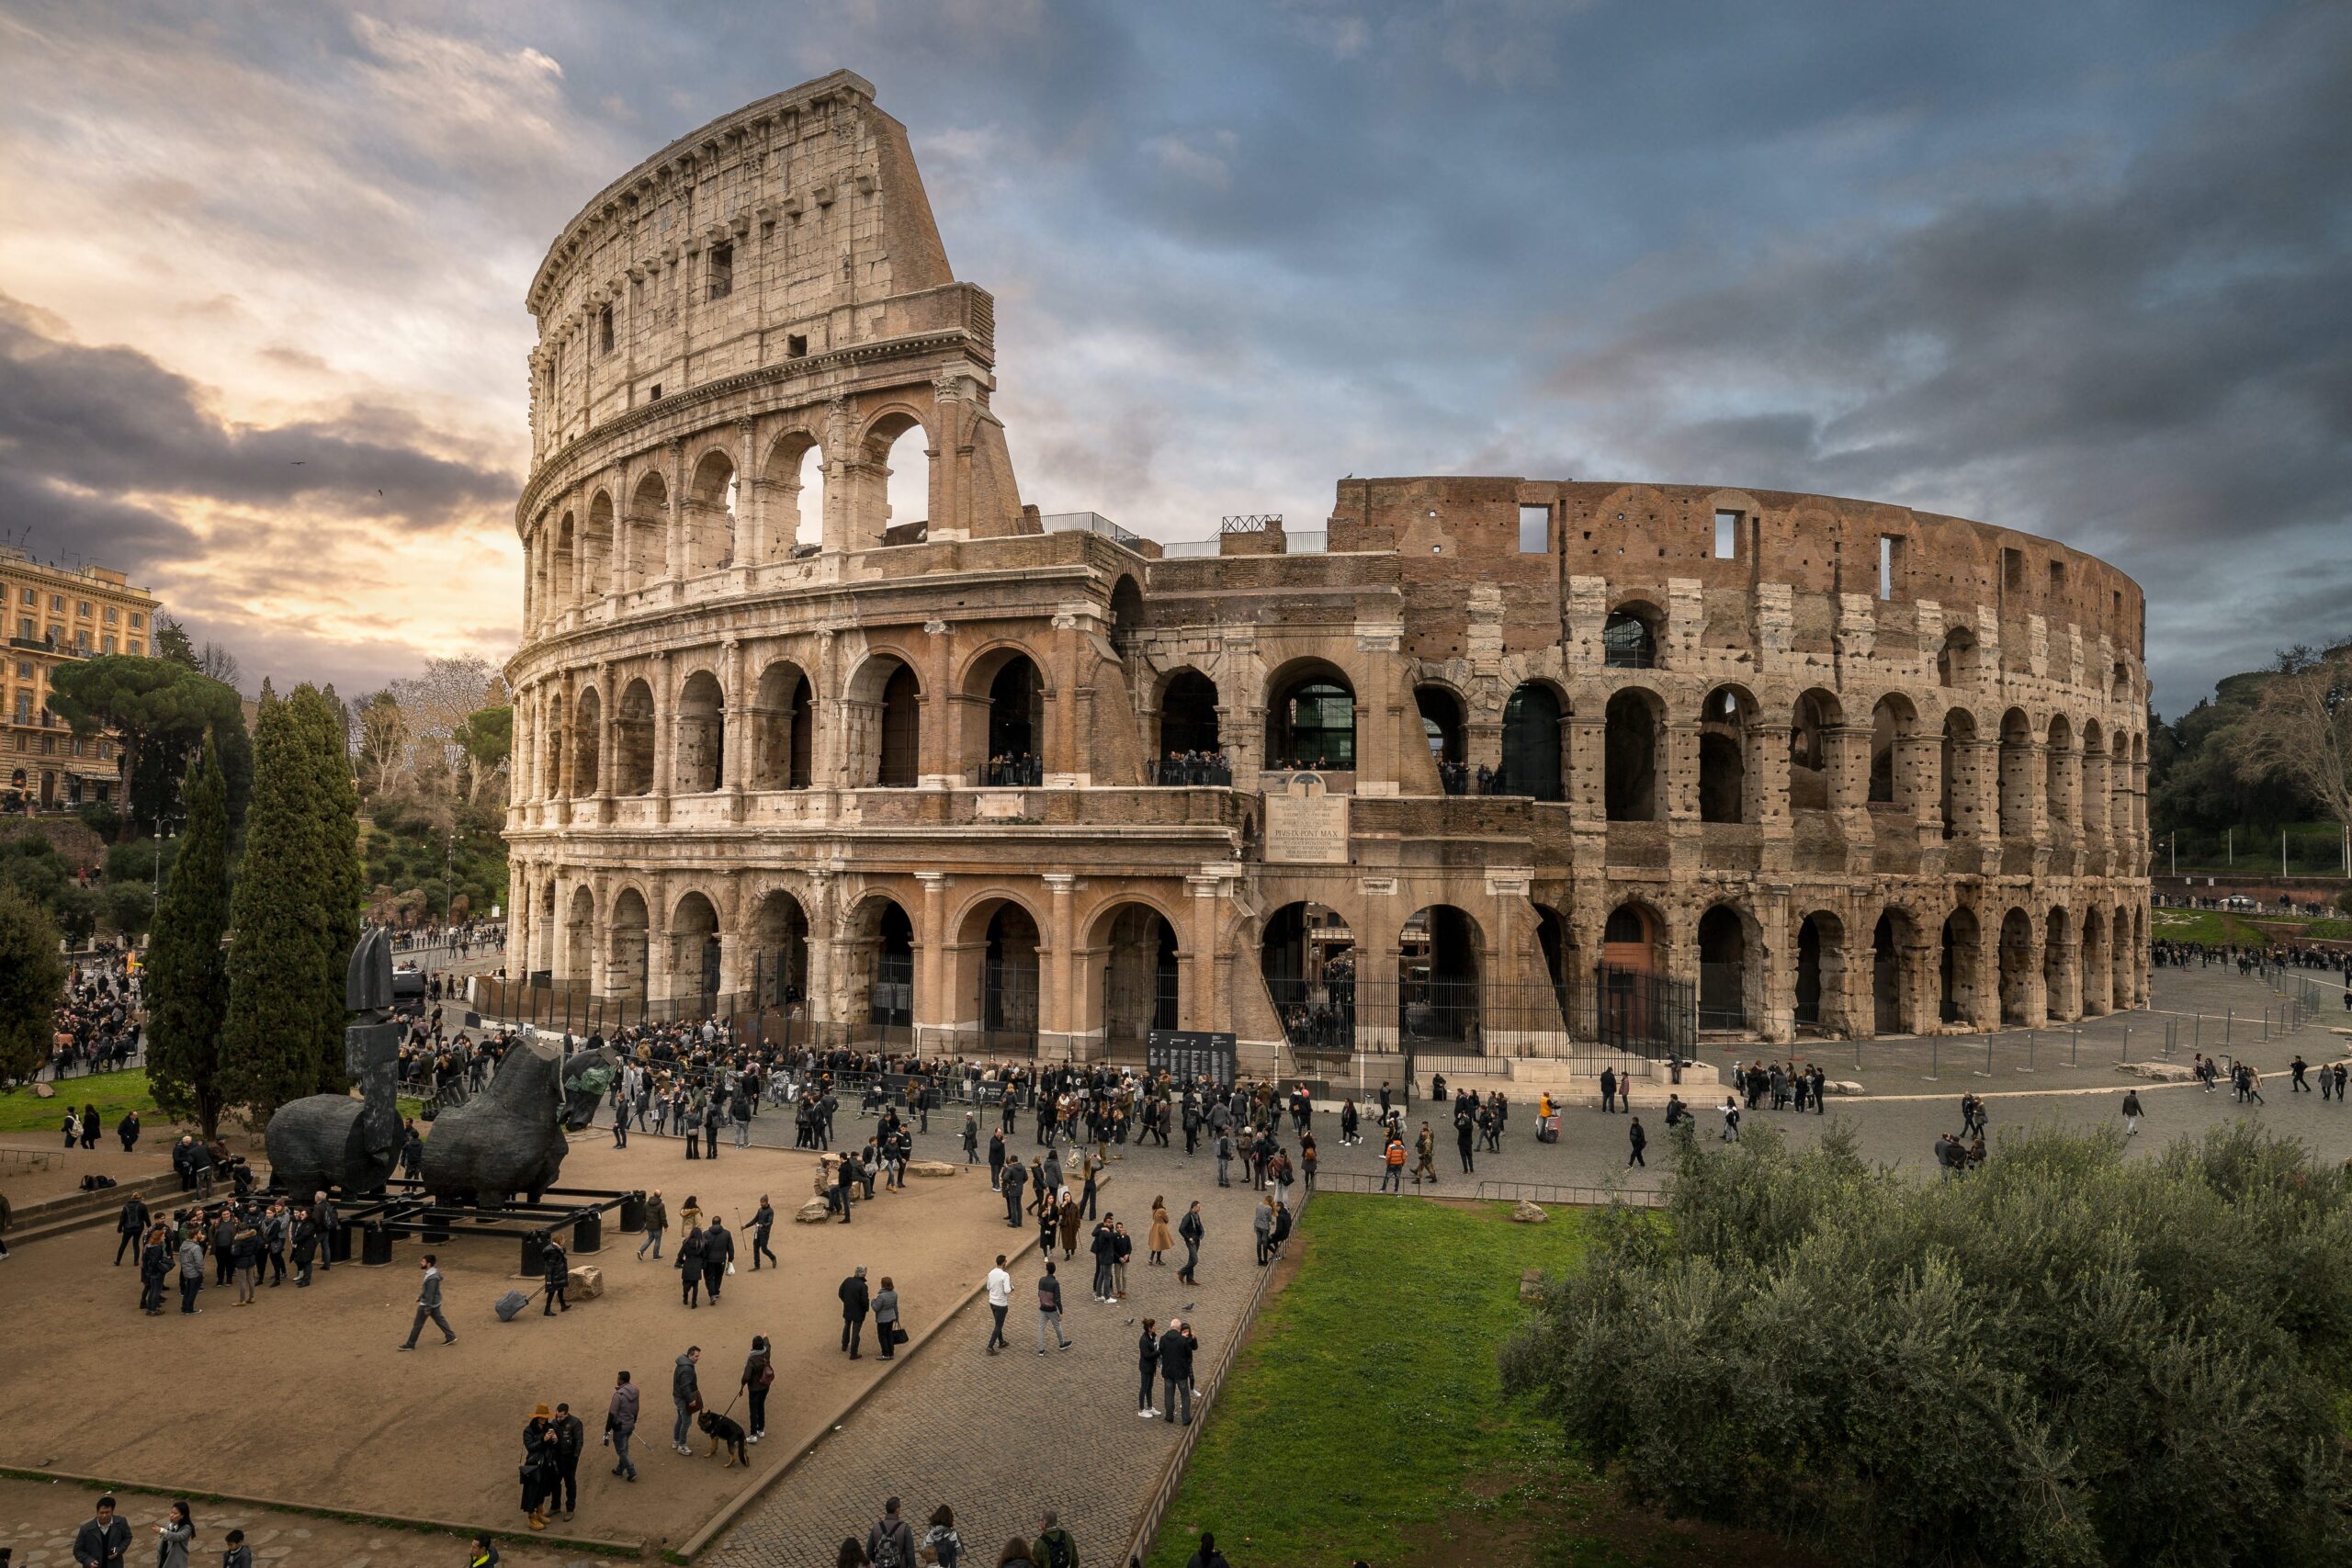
(510, 1303)
(1547, 1129)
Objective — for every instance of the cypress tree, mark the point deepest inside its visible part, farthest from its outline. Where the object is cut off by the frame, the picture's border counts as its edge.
(32, 982)
(188, 972)
(269, 1048)
(341, 884)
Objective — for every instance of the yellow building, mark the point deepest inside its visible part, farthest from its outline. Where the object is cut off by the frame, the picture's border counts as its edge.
(54, 613)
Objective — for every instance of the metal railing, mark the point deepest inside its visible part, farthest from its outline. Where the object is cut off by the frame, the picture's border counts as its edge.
(1570, 1195)
(1309, 542)
(1190, 549)
(1089, 523)
(1458, 778)
(1015, 772)
(1249, 523)
(1176, 773)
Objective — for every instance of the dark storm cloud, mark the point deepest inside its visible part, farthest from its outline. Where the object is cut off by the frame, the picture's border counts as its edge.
(80, 425)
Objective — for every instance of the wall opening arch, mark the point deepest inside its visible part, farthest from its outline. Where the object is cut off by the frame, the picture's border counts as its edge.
(1953, 806)
(1723, 755)
(633, 740)
(879, 956)
(1439, 995)
(1821, 974)
(700, 738)
(1531, 742)
(1810, 721)
(1892, 720)
(1630, 636)
(1956, 661)
(645, 555)
(778, 963)
(1631, 783)
(2123, 953)
(1956, 976)
(883, 714)
(629, 938)
(579, 950)
(1134, 955)
(2096, 962)
(1005, 719)
(2058, 965)
(2093, 813)
(2017, 775)
(1441, 713)
(1307, 957)
(2016, 968)
(551, 745)
(1311, 718)
(587, 740)
(1555, 939)
(709, 514)
(594, 573)
(997, 946)
(1892, 982)
(784, 729)
(2059, 763)
(695, 951)
(1127, 616)
(1190, 748)
(794, 480)
(563, 588)
(893, 506)
(1723, 970)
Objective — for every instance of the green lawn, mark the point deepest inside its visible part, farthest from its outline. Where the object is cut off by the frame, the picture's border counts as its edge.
(21, 1111)
(1367, 1404)
(2209, 928)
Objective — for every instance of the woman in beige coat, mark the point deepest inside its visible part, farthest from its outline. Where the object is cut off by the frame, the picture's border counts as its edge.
(1161, 1238)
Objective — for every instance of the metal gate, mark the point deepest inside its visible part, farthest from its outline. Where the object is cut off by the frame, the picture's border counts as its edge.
(1009, 1008)
(1642, 1014)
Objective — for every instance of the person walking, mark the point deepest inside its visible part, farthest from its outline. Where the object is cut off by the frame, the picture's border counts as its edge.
(569, 1437)
(717, 1255)
(191, 1274)
(2131, 1112)
(556, 1271)
(759, 1376)
(657, 1219)
(944, 1546)
(131, 1227)
(686, 1394)
(620, 1426)
(1000, 1290)
(885, 1318)
(762, 1226)
(1049, 1309)
(1159, 1239)
(1147, 1364)
(428, 1304)
(1176, 1373)
(971, 1140)
(857, 1302)
(1055, 1547)
(890, 1543)
(177, 1533)
(688, 1263)
(1192, 1230)
(1637, 1141)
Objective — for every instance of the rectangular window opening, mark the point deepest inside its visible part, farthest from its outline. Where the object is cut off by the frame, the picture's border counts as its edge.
(656, 396)
(2012, 569)
(2119, 601)
(2057, 577)
(1534, 530)
(722, 271)
(1727, 536)
(604, 330)
(795, 345)
(1890, 564)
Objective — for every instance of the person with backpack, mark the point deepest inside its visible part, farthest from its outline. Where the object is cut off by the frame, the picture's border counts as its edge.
(890, 1543)
(1208, 1556)
(1054, 1547)
(759, 1376)
(1049, 1309)
(1392, 1174)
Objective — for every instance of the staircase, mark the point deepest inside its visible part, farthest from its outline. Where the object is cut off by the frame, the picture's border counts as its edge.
(76, 1210)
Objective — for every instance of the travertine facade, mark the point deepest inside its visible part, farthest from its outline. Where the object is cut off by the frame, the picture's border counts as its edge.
(1841, 766)
(54, 613)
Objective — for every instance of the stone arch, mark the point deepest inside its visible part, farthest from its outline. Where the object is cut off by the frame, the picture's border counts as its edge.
(2059, 953)
(1633, 938)
(2123, 960)
(1131, 968)
(633, 740)
(1814, 716)
(2059, 766)
(628, 933)
(1003, 696)
(1188, 717)
(1633, 724)
(1893, 976)
(794, 478)
(784, 727)
(1533, 717)
(1957, 979)
(587, 743)
(644, 533)
(1439, 969)
(593, 570)
(1555, 939)
(883, 724)
(2017, 776)
(1127, 615)
(1441, 709)
(869, 513)
(563, 589)
(1724, 718)
(578, 953)
(1634, 636)
(1956, 661)
(1306, 959)
(2092, 790)
(1311, 717)
(777, 964)
(699, 735)
(1893, 720)
(1729, 968)
(877, 976)
(998, 972)
(709, 512)
(1955, 805)
(694, 950)
(550, 779)
(2095, 963)
(2016, 968)
(1821, 978)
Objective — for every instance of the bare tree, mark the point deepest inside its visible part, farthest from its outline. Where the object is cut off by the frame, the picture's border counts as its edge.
(2300, 730)
(217, 661)
(439, 700)
(384, 744)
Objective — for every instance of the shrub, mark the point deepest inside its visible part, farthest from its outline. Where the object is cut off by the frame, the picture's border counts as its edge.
(2066, 1359)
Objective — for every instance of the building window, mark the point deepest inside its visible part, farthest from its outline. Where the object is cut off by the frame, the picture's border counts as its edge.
(81, 608)
(77, 746)
(795, 345)
(24, 712)
(81, 638)
(2012, 569)
(106, 643)
(57, 603)
(1534, 530)
(113, 615)
(604, 330)
(137, 649)
(25, 629)
(656, 396)
(30, 599)
(2057, 578)
(722, 271)
(1890, 564)
(137, 620)
(49, 745)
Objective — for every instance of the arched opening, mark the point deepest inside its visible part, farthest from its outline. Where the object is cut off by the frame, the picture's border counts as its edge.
(1723, 970)
(2096, 962)
(1891, 942)
(701, 738)
(1002, 992)
(778, 962)
(627, 947)
(2123, 953)
(1011, 736)
(1306, 957)
(879, 958)
(587, 733)
(1438, 993)
(593, 576)
(1956, 661)
(1629, 639)
(551, 748)
(1311, 720)
(1956, 968)
(580, 939)
(1821, 973)
(1723, 758)
(2017, 776)
(1632, 1004)
(1139, 974)
(1816, 714)
(1631, 781)
(710, 522)
(1960, 734)
(1556, 940)
(562, 588)
(784, 729)
(1190, 748)
(2016, 967)
(694, 953)
(884, 715)
(794, 478)
(2094, 810)
(633, 740)
(1531, 743)
(900, 452)
(2058, 773)
(1630, 940)
(543, 936)
(1892, 722)
(1441, 713)
(2057, 967)
(644, 535)
(1127, 616)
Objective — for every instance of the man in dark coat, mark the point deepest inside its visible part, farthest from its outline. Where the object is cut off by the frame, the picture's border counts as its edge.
(323, 1213)
(1016, 1176)
(718, 1252)
(762, 1224)
(103, 1542)
(855, 1300)
(130, 1226)
(557, 1274)
(844, 1182)
(570, 1438)
(1176, 1372)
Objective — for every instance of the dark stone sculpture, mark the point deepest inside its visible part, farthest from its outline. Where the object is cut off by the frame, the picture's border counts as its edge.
(508, 1139)
(331, 1141)
(588, 1078)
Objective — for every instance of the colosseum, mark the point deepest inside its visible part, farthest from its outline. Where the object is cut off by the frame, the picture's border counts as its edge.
(1480, 767)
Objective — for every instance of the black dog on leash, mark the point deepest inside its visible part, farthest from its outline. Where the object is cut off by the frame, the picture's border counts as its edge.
(727, 1434)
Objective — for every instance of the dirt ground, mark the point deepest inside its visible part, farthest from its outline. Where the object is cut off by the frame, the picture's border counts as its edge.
(61, 1172)
(304, 1397)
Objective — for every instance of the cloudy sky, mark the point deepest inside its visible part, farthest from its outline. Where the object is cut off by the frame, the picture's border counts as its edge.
(2083, 269)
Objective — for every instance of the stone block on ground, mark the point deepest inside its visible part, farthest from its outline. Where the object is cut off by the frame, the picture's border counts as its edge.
(2161, 1072)
(1842, 1086)
(1528, 1213)
(931, 1169)
(1530, 1284)
(813, 1213)
(587, 1283)
(44, 1090)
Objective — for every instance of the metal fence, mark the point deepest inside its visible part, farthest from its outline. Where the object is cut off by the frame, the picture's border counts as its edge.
(1640, 1014)
(1572, 1196)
